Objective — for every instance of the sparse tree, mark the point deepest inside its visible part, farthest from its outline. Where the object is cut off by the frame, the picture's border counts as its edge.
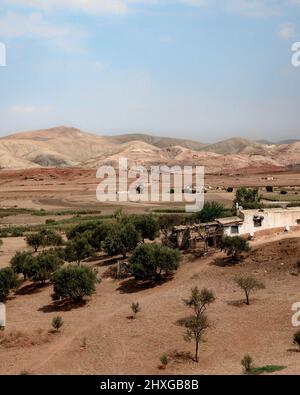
(195, 328)
(57, 323)
(247, 363)
(234, 247)
(199, 300)
(249, 285)
(136, 308)
(297, 339)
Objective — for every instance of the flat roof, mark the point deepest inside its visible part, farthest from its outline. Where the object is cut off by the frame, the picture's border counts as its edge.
(230, 220)
(271, 210)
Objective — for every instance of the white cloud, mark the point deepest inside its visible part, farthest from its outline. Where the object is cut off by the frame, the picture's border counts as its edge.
(28, 109)
(87, 6)
(287, 31)
(196, 3)
(34, 26)
(255, 8)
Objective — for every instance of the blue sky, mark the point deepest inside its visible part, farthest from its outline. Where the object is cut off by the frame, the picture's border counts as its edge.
(200, 69)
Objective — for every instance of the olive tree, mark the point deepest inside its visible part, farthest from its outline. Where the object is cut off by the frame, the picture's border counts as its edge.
(8, 281)
(121, 239)
(249, 285)
(22, 262)
(153, 261)
(73, 283)
(234, 247)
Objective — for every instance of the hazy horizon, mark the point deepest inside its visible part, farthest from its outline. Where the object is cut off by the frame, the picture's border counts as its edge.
(192, 69)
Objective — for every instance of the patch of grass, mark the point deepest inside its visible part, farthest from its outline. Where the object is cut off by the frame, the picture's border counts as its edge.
(266, 369)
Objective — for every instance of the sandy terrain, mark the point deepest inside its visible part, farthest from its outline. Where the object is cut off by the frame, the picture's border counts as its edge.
(116, 344)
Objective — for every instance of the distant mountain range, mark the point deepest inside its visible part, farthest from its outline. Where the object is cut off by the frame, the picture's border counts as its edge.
(70, 147)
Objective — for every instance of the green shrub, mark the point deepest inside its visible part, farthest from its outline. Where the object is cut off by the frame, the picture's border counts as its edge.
(152, 261)
(57, 323)
(8, 281)
(234, 247)
(247, 363)
(22, 262)
(210, 212)
(73, 282)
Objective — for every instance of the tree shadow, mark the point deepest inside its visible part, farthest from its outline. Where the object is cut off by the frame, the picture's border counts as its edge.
(224, 262)
(236, 303)
(293, 350)
(181, 356)
(132, 285)
(31, 289)
(63, 305)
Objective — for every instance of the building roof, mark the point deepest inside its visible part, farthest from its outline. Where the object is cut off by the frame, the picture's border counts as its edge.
(270, 210)
(230, 221)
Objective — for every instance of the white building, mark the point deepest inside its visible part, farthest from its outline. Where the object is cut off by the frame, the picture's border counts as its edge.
(253, 221)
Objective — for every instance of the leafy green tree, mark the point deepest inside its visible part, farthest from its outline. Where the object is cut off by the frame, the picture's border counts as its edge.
(248, 198)
(100, 233)
(21, 263)
(78, 249)
(73, 282)
(152, 261)
(42, 267)
(234, 247)
(121, 240)
(35, 240)
(249, 285)
(8, 281)
(82, 228)
(51, 237)
(210, 211)
(146, 225)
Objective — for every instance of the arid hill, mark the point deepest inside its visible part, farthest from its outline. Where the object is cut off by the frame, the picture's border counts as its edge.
(69, 147)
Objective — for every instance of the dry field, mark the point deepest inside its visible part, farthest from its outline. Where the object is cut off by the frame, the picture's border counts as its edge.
(99, 337)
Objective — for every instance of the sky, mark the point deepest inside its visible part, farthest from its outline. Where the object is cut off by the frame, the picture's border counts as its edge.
(200, 69)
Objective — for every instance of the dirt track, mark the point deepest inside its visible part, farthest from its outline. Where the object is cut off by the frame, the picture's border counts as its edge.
(116, 344)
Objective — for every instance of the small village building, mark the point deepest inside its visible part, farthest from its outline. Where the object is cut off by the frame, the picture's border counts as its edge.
(253, 221)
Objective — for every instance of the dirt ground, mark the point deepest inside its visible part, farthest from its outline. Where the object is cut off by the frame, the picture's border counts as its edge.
(99, 338)
(52, 189)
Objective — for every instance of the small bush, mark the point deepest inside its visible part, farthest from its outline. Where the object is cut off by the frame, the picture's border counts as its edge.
(57, 323)
(229, 189)
(247, 363)
(164, 359)
(136, 308)
(269, 188)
